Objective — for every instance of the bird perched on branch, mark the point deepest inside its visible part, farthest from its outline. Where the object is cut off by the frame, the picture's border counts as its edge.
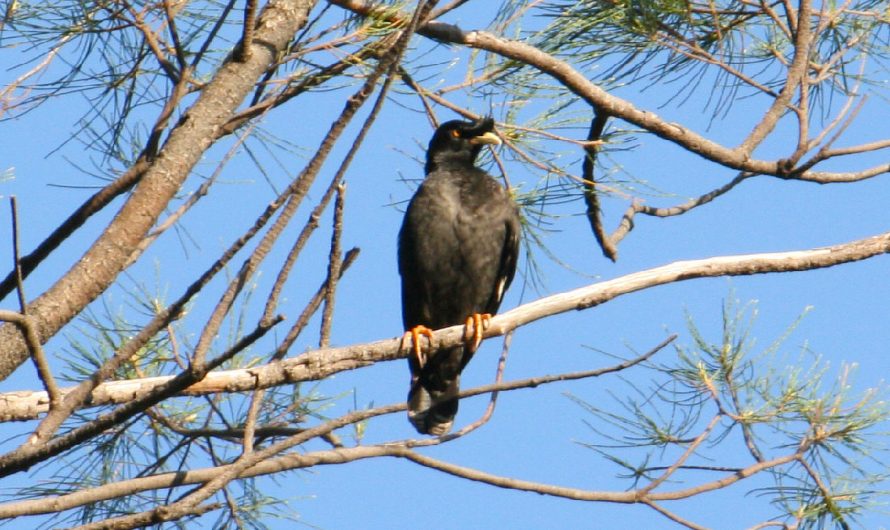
(457, 255)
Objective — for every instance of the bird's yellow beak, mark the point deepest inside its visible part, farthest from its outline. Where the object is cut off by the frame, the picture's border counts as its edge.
(488, 138)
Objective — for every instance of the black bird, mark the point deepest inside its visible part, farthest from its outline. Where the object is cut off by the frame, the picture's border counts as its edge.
(457, 254)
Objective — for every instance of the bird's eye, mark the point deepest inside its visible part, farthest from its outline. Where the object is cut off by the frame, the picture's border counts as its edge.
(455, 133)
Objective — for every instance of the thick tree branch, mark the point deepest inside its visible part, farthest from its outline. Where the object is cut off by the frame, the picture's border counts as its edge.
(736, 158)
(51, 504)
(318, 364)
(197, 128)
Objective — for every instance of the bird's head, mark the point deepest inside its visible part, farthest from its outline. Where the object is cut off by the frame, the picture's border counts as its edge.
(459, 142)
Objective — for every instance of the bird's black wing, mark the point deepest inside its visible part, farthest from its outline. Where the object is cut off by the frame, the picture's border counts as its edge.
(509, 256)
(421, 243)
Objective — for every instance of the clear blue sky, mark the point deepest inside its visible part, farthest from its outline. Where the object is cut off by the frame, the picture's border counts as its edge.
(534, 434)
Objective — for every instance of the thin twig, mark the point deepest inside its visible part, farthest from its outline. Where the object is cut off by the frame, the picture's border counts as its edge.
(493, 398)
(591, 195)
(334, 264)
(27, 325)
(74, 221)
(693, 446)
(626, 497)
(250, 422)
(16, 261)
(421, 93)
(829, 499)
(310, 309)
(266, 465)
(672, 516)
(627, 220)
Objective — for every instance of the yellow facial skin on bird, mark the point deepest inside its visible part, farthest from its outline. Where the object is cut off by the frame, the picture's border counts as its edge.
(488, 138)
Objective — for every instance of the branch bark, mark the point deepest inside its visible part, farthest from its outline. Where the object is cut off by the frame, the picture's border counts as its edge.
(321, 363)
(738, 158)
(191, 137)
(57, 503)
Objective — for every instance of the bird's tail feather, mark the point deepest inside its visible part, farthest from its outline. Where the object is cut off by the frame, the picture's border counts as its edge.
(432, 401)
(431, 414)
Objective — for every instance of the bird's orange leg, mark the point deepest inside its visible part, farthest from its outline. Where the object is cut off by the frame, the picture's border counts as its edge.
(478, 323)
(417, 348)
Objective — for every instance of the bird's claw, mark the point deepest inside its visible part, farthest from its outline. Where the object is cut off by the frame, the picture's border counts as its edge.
(478, 323)
(416, 347)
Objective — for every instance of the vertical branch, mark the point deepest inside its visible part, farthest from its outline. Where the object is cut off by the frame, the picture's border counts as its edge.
(16, 262)
(311, 308)
(32, 339)
(498, 378)
(94, 204)
(802, 109)
(800, 27)
(591, 197)
(170, 14)
(334, 265)
(294, 194)
(250, 423)
(296, 249)
(247, 35)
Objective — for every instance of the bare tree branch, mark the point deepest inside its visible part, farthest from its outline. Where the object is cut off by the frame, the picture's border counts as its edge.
(294, 460)
(738, 158)
(335, 262)
(101, 264)
(591, 196)
(624, 497)
(174, 447)
(319, 364)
